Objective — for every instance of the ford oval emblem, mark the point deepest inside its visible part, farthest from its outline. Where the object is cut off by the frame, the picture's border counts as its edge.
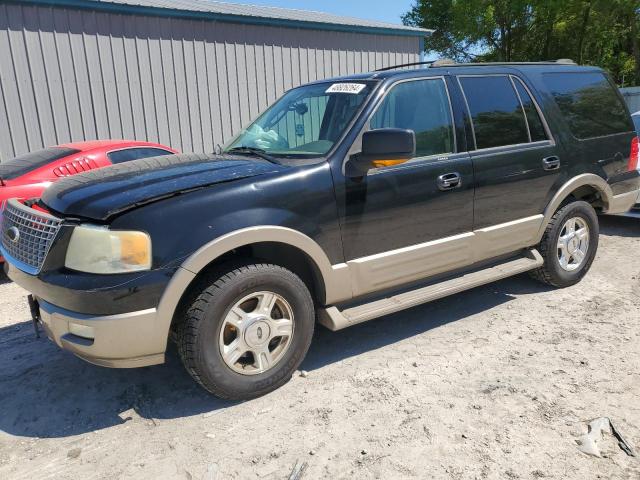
(13, 234)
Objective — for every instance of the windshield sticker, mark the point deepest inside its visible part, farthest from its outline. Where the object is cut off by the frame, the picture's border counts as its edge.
(354, 88)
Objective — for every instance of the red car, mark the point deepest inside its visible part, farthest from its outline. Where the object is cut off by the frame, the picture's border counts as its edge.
(28, 175)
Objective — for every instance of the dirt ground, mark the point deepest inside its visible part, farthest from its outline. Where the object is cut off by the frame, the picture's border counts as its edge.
(495, 383)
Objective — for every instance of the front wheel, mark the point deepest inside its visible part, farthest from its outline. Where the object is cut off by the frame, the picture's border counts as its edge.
(247, 331)
(568, 245)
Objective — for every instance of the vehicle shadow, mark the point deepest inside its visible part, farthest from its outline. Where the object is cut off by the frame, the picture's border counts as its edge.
(619, 226)
(3, 276)
(329, 347)
(46, 392)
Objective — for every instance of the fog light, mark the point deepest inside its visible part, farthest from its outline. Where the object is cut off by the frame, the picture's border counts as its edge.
(83, 331)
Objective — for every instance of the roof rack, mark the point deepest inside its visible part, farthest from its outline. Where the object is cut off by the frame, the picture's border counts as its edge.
(447, 62)
(383, 69)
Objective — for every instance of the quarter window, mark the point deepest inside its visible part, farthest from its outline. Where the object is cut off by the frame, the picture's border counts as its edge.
(129, 154)
(589, 104)
(496, 112)
(421, 106)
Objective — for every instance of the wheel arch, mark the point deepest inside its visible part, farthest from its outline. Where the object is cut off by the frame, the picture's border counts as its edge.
(588, 186)
(268, 243)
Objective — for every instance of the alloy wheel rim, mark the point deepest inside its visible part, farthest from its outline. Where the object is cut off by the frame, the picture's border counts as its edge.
(573, 244)
(256, 333)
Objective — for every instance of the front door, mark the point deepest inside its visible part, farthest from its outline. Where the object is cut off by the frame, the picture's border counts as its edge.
(406, 222)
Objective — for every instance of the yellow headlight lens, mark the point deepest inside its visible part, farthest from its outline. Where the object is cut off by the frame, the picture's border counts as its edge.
(95, 249)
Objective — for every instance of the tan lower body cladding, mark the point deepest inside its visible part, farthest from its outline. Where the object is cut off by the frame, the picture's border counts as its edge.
(405, 265)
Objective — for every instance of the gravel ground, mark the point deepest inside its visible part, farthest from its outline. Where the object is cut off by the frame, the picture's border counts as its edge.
(497, 382)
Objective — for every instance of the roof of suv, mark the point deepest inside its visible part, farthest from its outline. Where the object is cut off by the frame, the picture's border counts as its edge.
(417, 70)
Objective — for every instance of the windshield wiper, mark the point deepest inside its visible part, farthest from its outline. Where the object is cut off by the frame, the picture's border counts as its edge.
(258, 152)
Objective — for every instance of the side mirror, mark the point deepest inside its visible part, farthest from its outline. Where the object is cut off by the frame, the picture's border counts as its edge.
(382, 148)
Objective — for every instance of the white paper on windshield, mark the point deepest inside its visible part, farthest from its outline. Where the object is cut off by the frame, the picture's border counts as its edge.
(354, 88)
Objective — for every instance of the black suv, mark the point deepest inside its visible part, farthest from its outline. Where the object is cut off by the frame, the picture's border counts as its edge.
(347, 200)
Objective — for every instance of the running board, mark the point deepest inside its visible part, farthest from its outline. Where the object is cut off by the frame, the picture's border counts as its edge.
(334, 319)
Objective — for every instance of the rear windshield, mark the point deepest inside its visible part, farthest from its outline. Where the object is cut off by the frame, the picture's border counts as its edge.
(18, 166)
(589, 104)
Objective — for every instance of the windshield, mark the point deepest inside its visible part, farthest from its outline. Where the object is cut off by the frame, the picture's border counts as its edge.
(305, 122)
(18, 166)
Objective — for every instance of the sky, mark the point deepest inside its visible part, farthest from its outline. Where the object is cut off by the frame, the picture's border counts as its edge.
(382, 10)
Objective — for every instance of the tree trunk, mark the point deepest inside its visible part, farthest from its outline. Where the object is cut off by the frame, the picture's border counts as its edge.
(547, 43)
(583, 30)
(635, 47)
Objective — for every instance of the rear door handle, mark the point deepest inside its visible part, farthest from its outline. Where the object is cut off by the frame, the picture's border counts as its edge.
(449, 181)
(551, 163)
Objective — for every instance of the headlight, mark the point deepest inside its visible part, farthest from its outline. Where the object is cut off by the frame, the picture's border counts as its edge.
(95, 249)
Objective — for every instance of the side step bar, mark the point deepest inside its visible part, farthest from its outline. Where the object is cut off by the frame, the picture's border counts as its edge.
(334, 319)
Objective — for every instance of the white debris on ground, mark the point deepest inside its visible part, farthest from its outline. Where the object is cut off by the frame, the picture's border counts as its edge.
(598, 428)
(495, 383)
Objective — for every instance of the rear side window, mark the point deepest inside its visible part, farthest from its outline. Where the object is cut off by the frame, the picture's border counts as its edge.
(497, 116)
(421, 106)
(588, 103)
(18, 166)
(129, 154)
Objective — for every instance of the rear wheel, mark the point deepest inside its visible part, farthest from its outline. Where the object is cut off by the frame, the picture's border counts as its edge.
(247, 331)
(568, 245)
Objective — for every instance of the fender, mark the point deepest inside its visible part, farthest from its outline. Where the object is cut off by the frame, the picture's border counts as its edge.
(585, 179)
(337, 283)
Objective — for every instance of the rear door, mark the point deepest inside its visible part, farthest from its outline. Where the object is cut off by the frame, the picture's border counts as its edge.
(516, 161)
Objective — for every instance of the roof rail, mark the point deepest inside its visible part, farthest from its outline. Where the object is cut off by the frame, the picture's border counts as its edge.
(443, 62)
(383, 69)
(447, 62)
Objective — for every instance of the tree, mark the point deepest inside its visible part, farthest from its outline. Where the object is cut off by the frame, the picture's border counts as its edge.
(595, 32)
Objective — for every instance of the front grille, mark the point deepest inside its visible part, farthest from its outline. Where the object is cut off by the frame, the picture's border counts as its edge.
(27, 235)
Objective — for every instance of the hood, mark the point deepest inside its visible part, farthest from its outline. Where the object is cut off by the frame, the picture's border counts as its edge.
(100, 194)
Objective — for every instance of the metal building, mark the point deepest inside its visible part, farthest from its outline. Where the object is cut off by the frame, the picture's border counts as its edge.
(632, 97)
(186, 73)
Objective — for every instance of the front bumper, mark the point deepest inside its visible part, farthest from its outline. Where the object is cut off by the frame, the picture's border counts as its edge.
(125, 340)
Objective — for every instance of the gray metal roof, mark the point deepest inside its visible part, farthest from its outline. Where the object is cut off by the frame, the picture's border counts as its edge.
(234, 12)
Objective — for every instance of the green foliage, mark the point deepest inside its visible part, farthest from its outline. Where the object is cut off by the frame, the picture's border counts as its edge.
(592, 32)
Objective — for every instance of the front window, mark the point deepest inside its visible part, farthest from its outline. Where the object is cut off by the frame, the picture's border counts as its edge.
(422, 106)
(307, 121)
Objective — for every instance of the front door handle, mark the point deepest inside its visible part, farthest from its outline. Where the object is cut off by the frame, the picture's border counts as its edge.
(449, 181)
(551, 163)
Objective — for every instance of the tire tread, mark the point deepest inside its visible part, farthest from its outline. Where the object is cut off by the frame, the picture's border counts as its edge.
(187, 329)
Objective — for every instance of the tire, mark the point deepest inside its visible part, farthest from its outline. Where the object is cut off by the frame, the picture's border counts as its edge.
(209, 319)
(552, 271)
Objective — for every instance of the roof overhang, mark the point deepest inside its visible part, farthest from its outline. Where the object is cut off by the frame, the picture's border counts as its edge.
(132, 9)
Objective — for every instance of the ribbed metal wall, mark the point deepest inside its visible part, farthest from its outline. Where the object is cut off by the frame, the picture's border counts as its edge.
(76, 74)
(632, 97)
